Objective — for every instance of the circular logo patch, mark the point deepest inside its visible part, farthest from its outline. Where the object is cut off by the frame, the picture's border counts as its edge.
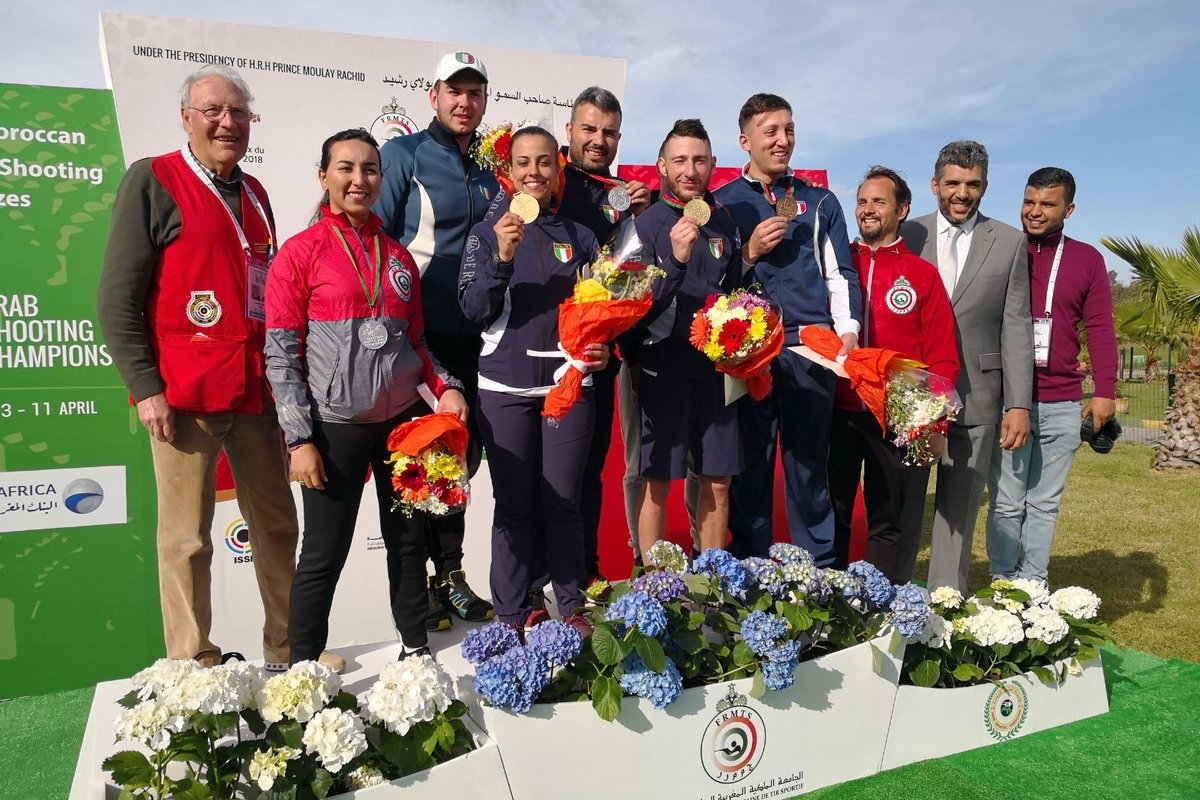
(1007, 707)
(83, 496)
(733, 744)
(400, 280)
(203, 309)
(901, 298)
(237, 537)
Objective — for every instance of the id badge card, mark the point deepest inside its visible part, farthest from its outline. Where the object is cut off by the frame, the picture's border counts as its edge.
(256, 287)
(1041, 342)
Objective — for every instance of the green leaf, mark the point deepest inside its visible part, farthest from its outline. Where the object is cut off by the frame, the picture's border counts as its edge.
(695, 620)
(404, 752)
(455, 710)
(606, 698)
(130, 700)
(652, 653)
(690, 641)
(322, 782)
(129, 768)
(743, 655)
(967, 671)
(1001, 651)
(763, 602)
(344, 701)
(608, 648)
(254, 721)
(926, 673)
(286, 733)
(1037, 647)
(445, 735)
(1044, 674)
(758, 687)
(188, 789)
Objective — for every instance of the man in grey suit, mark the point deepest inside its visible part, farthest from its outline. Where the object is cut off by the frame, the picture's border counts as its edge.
(984, 266)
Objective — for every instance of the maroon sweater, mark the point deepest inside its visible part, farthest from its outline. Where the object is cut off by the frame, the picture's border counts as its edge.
(1081, 294)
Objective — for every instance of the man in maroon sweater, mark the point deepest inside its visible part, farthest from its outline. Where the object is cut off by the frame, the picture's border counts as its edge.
(1068, 285)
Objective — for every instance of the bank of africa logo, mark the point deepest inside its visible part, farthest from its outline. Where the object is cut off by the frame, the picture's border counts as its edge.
(83, 496)
(734, 741)
(393, 122)
(1005, 711)
(237, 537)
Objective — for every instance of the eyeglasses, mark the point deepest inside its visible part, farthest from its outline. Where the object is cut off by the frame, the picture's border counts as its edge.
(217, 113)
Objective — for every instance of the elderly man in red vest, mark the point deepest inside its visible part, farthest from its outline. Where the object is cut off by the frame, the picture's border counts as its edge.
(180, 305)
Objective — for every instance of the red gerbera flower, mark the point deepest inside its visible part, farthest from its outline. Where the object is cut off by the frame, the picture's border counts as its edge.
(413, 476)
(504, 146)
(632, 266)
(733, 332)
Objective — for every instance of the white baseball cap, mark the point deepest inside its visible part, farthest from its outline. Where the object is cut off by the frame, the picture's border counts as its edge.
(453, 63)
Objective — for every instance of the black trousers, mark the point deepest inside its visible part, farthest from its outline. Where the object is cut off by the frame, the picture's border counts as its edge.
(459, 355)
(604, 387)
(857, 447)
(347, 449)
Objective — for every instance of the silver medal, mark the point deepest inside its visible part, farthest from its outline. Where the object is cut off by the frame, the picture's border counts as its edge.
(373, 334)
(619, 199)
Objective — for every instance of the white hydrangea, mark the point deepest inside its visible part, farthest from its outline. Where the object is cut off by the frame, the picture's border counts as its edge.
(946, 597)
(149, 722)
(407, 692)
(1035, 589)
(666, 555)
(335, 737)
(267, 766)
(1008, 604)
(1045, 624)
(937, 632)
(299, 693)
(364, 777)
(1075, 601)
(219, 690)
(162, 675)
(991, 626)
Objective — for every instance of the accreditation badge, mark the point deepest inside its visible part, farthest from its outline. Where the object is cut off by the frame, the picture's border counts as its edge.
(256, 287)
(1041, 342)
(901, 298)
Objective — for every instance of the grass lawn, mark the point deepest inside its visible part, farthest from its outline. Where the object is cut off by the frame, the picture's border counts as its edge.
(1130, 535)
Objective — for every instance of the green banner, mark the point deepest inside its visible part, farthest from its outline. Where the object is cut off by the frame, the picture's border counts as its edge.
(78, 570)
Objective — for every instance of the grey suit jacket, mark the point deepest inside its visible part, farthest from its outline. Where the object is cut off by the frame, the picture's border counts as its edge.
(991, 317)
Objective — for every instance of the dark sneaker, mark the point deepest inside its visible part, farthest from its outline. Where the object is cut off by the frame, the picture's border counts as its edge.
(437, 618)
(456, 595)
(536, 617)
(420, 651)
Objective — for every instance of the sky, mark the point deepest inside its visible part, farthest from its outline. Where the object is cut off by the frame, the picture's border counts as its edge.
(1109, 90)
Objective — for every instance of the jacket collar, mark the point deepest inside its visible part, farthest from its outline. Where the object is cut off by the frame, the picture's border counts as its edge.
(342, 222)
(438, 132)
(895, 248)
(1036, 243)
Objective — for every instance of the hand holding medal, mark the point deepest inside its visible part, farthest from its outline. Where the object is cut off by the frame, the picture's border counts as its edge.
(698, 210)
(525, 206)
(786, 207)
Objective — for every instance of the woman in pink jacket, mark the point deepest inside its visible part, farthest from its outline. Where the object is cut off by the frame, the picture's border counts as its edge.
(347, 362)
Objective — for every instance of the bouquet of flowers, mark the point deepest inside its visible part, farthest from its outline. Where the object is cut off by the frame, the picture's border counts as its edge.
(741, 334)
(911, 402)
(609, 299)
(1007, 628)
(492, 149)
(429, 465)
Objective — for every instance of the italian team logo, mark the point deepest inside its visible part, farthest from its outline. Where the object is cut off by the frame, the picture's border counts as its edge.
(399, 279)
(203, 310)
(563, 252)
(1005, 711)
(901, 298)
(734, 741)
(716, 247)
(464, 58)
(610, 213)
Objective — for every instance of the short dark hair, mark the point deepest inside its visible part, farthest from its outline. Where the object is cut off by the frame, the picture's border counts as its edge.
(602, 99)
(348, 135)
(903, 193)
(761, 103)
(1046, 177)
(686, 128)
(531, 130)
(962, 153)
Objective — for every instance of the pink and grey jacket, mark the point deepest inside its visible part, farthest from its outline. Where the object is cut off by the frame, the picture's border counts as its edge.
(316, 365)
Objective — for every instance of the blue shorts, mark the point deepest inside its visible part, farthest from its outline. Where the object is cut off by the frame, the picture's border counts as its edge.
(685, 423)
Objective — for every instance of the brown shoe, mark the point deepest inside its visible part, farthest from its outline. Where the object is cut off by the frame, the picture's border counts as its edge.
(208, 660)
(333, 661)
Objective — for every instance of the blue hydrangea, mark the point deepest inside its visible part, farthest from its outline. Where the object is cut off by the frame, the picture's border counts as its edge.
(778, 675)
(767, 574)
(513, 679)
(876, 588)
(844, 583)
(663, 585)
(555, 641)
(788, 553)
(490, 640)
(638, 610)
(910, 610)
(731, 575)
(660, 688)
(762, 631)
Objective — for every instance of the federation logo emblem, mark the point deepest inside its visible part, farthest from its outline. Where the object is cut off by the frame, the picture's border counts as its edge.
(563, 252)
(83, 496)
(203, 309)
(1005, 711)
(609, 212)
(400, 280)
(237, 537)
(734, 741)
(392, 123)
(716, 247)
(901, 298)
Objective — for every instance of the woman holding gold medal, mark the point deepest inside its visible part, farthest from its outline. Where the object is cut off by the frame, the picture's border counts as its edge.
(517, 267)
(347, 362)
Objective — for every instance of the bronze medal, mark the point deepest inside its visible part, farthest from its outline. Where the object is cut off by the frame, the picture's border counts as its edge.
(698, 210)
(786, 207)
(525, 207)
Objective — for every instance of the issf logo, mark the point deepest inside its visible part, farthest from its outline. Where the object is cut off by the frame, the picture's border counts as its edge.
(237, 539)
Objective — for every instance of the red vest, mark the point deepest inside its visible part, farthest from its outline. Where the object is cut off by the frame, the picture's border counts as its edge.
(210, 355)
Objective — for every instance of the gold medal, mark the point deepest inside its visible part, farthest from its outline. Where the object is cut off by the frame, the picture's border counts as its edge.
(698, 210)
(525, 207)
(786, 207)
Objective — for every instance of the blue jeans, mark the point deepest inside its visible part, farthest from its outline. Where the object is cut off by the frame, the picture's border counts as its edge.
(1025, 488)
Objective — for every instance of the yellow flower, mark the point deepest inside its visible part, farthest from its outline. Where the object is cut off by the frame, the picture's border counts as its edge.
(758, 327)
(591, 290)
(714, 351)
(441, 465)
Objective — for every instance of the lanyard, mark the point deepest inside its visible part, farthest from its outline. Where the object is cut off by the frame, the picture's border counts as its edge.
(1058, 251)
(203, 175)
(606, 181)
(377, 272)
(769, 196)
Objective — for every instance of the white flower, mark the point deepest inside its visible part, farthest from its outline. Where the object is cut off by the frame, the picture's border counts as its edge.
(219, 690)
(364, 777)
(937, 632)
(1074, 667)
(946, 597)
(991, 626)
(1075, 601)
(163, 675)
(1035, 589)
(407, 692)
(149, 722)
(266, 766)
(298, 693)
(1008, 604)
(336, 737)
(666, 555)
(1045, 624)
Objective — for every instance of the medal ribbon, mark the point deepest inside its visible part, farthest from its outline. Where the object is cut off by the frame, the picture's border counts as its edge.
(769, 196)
(377, 272)
(607, 181)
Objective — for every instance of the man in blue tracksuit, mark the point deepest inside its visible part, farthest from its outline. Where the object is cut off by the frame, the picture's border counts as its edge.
(432, 193)
(795, 239)
(686, 424)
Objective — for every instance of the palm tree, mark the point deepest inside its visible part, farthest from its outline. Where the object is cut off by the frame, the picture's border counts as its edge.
(1169, 280)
